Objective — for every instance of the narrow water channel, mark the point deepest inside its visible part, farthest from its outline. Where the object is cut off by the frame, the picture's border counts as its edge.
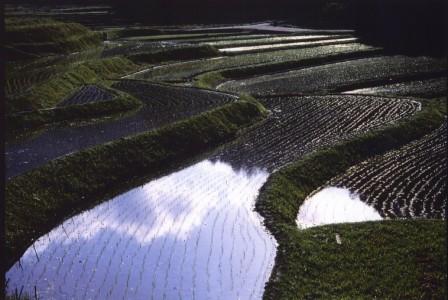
(189, 235)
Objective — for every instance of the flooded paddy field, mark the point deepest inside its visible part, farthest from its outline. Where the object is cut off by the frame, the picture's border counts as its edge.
(196, 233)
(301, 125)
(184, 71)
(88, 94)
(336, 76)
(435, 87)
(192, 234)
(161, 105)
(406, 183)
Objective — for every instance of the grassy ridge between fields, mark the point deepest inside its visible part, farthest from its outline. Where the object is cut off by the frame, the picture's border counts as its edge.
(384, 260)
(54, 90)
(40, 199)
(35, 119)
(31, 36)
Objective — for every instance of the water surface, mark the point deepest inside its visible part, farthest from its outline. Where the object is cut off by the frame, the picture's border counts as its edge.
(334, 205)
(190, 235)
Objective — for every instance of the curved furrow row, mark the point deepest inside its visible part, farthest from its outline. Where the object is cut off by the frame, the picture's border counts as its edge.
(163, 104)
(193, 232)
(19, 85)
(419, 88)
(186, 70)
(299, 125)
(337, 76)
(406, 183)
(87, 94)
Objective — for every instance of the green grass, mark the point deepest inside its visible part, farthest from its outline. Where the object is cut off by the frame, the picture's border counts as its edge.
(183, 53)
(46, 36)
(296, 275)
(400, 259)
(48, 93)
(42, 198)
(35, 119)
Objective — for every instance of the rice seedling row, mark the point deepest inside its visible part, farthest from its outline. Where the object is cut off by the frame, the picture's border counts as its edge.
(20, 84)
(406, 183)
(419, 88)
(192, 234)
(23, 76)
(300, 125)
(337, 76)
(163, 104)
(132, 47)
(271, 39)
(185, 71)
(286, 45)
(88, 94)
(176, 37)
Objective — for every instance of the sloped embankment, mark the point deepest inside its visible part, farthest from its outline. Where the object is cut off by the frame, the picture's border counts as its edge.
(31, 37)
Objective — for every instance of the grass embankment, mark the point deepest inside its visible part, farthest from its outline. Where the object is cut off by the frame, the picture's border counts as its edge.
(33, 120)
(390, 259)
(181, 53)
(39, 200)
(214, 78)
(48, 93)
(29, 36)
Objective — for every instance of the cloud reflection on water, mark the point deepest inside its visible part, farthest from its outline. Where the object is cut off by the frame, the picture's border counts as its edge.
(190, 234)
(334, 205)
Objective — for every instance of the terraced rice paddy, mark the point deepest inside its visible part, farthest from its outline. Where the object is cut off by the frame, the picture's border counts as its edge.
(257, 40)
(194, 234)
(285, 45)
(406, 183)
(88, 94)
(184, 71)
(435, 87)
(300, 125)
(162, 105)
(334, 205)
(336, 76)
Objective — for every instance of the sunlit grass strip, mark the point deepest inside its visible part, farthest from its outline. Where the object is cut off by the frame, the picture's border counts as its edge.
(294, 275)
(42, 198)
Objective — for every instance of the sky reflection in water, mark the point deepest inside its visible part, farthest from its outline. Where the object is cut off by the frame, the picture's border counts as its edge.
(334, 205)
(192, 234)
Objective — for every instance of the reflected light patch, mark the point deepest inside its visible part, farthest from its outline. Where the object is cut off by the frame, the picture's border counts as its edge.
(334, 205)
